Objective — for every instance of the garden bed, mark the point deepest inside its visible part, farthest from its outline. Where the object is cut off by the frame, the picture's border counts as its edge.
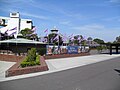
(17, 70)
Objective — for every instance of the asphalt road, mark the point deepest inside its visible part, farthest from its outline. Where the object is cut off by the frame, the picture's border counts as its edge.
(99, 76)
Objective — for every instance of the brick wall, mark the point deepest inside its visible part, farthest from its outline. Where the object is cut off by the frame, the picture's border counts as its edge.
(11, 58)
(65, 55)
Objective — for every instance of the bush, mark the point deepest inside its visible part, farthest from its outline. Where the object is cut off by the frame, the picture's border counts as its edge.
(41, 51)
(32, 59)
(38, 60)
(31, 55)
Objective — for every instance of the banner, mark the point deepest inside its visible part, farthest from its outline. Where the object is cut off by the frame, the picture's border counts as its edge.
(66, 49)
(72, 49)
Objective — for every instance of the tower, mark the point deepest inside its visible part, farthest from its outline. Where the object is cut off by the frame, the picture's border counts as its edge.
(54, 30)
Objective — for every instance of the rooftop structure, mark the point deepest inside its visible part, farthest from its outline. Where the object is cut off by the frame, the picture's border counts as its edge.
(54, 30)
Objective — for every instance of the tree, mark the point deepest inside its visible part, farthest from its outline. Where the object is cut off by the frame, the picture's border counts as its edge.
(89, 38)
(31, 55)
(51, 39)
(118, 39)
(77, 40)
(99, 41)
(28, 34)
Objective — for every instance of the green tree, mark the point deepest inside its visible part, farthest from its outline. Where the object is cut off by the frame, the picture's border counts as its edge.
(52, 39)
(31, 59)
(99, 41)
(89, 38)
(118, 39)
(28, 34)
(31, 55)
(78, 39)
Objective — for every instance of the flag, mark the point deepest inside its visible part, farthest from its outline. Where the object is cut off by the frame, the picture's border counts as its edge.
(56, 38)
(64, 39)
(12, 31)
(3, 30)
(42, 39)
(45, 31)
(79, 38)
(45, 40)
(34, 29)
(71, 36)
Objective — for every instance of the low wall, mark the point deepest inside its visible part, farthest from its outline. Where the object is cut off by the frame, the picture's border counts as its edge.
(11, 58)
(17, 70)
(65, 55)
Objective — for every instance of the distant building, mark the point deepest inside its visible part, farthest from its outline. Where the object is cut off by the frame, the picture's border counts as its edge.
(92, 43)
(14, 21)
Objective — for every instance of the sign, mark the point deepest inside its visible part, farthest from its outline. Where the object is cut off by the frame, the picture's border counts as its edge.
(72, 49)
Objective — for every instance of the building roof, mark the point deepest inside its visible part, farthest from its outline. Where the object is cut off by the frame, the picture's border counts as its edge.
(21, 40)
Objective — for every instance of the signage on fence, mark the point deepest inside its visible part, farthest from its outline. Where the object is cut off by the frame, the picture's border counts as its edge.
(65, 49)
(72, 49)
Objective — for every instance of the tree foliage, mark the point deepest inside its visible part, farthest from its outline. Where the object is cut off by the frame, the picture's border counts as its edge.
(99, 41)
(31, 59)
(89, 39)
(51, 39)
(31, 55)
(28, 34)
(77, 40)
(118, 39)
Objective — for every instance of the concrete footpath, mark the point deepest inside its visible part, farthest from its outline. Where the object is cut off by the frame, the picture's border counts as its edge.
(5, 66)
(56, 65)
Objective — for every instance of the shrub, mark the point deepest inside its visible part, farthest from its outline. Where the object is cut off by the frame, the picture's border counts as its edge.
(23, 64)
(41, 51)
(31, 55)
(38, 60)
(32, 59)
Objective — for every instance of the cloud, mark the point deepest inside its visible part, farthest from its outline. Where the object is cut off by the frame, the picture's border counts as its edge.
(35, 16)
(65, 22)
(16, 1)
(90, 27)
(114, 1)
(49, 7)
(97, 31)
(117, 18)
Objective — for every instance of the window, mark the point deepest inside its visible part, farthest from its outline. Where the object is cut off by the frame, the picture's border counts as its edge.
(28, 21)
(13, 14)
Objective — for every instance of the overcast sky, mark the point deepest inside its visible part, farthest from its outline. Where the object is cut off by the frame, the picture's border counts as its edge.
(90, 18)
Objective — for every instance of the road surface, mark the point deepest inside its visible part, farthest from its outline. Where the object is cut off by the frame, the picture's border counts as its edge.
(97, 76)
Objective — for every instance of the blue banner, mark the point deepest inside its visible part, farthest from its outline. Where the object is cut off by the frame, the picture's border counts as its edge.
(72, 49)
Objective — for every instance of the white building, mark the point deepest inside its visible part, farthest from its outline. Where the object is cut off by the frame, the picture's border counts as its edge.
(14, 21)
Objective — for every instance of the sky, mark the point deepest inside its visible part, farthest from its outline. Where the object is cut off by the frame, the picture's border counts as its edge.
(90, 18)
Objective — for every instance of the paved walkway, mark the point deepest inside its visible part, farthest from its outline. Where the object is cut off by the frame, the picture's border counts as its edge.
(67, 63)
(56, 65)
(3, 67)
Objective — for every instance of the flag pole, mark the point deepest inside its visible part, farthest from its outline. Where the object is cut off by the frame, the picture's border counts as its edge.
(48, 39)
(58, 42)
